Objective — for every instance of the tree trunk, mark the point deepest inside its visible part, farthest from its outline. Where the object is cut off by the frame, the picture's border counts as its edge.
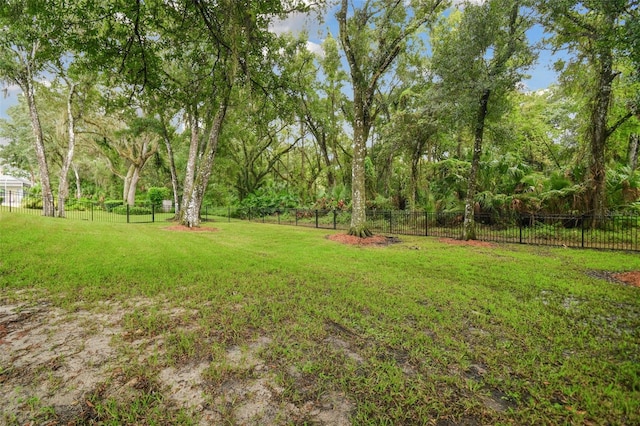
(469, 231)
(63, 184)
(78, 185)
(172, 165)
(48, 208)
(599, 132)
(358, 226)
(127, 184)
(632, 153)
(133, 185)
(192, 164)
(192, 202)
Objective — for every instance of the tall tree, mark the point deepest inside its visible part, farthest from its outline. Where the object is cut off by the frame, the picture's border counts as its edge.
(30, 35)
(372, 37)
(598, 32)
(481, 55)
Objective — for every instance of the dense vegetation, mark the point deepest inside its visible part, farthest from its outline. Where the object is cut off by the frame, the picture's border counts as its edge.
(409, 105)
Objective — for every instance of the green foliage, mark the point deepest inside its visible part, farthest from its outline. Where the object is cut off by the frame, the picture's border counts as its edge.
(266, 201)
(623, 186)
(109, 205)
(157, 194)
(133, 210)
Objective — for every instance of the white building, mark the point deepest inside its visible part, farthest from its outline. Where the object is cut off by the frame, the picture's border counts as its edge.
(12, 190)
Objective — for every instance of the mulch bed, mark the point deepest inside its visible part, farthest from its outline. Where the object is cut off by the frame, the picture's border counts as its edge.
(375, 240)
(631, 278)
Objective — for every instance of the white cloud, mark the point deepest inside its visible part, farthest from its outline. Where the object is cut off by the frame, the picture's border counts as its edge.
(296, 23)
(315, 48)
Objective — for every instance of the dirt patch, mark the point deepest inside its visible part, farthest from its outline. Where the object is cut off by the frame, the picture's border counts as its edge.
(375, 240)
(193, 229)
(59, 367)
(631, 278)
(472, 243)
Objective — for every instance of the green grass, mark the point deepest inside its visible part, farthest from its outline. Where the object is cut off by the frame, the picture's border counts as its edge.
(432, 333)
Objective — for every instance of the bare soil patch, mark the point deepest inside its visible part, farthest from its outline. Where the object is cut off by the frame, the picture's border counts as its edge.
(59, 367)
(193, 229)
(375, 240)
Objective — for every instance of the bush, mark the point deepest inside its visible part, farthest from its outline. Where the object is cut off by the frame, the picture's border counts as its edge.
(266, 201)
(109, 205)
(157, 194)
(82, 204)
(133, 210)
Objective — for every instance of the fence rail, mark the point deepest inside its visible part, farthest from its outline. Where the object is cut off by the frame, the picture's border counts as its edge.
(614, 232)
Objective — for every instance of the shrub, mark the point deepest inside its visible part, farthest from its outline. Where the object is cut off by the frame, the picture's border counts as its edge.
(157, 194)
(109, 205)
(133, 210)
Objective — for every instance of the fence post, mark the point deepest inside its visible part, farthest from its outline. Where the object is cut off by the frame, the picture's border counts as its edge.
(278, 214)
(582, 230)
(520, 227)
(296, 217)
(10, 202)
(92, 212)
(153, 213)
(249, 214)
(335, 215)
(316, 218)
(426, 224)
(127, 213)
(390, 221)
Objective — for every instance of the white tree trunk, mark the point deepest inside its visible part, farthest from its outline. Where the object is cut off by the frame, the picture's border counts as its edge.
(192, 202)
(48, 208)
(78, 185)
(63, 184)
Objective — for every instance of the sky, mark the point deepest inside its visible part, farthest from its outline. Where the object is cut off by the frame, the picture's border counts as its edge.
(542, 74)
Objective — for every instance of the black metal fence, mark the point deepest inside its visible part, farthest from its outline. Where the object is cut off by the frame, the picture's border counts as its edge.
(615, 232)
(23, 202)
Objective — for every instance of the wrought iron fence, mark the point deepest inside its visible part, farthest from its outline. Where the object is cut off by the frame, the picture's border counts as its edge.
(615, 231)
(26, 203)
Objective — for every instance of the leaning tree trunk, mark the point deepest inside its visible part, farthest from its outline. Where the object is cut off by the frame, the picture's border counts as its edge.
(78, 184)
(63, 184)
(172, 165)
(133, 185)
(469, 229)
(48, 208)
(192, 201)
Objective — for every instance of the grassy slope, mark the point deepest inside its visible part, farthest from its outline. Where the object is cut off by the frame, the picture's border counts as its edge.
(439, 331)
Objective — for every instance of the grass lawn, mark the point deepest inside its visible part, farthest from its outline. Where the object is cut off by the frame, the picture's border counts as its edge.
(266, 324)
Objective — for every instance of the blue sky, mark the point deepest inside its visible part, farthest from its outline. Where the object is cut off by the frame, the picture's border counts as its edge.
(542, 74)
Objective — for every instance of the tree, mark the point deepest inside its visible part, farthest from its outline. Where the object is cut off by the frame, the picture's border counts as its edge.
(30, 34)
(598, 32)
(480, 55)
(372, 37)
(128, 144)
